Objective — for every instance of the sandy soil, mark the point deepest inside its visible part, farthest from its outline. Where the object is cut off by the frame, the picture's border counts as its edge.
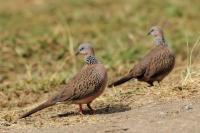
(173, 117)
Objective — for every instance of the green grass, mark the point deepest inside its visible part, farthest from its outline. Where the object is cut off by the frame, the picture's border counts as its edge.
(38, 37)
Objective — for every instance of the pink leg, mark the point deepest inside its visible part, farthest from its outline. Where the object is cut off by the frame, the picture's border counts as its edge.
(89, 106)
(80, 109)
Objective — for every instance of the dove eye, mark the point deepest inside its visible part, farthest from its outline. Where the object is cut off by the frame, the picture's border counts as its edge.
(81, 48)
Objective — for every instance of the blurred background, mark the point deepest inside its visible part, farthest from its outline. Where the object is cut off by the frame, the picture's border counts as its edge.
(38, 37)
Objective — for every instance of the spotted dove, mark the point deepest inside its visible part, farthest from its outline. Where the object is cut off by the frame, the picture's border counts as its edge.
(157, 64)
(84, 87)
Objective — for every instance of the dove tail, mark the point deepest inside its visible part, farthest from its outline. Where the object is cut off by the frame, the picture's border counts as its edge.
(38, 108)
(121, 81)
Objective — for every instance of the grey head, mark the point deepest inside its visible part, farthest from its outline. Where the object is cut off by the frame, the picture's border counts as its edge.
(87, 51)
(157, 33)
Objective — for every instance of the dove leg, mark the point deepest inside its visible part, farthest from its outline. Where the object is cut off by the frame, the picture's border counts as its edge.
(80, 109)
(89, 106)
(150, 84)
(159, 85)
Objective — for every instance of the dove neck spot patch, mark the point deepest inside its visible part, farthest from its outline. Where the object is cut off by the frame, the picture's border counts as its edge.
(91, 60)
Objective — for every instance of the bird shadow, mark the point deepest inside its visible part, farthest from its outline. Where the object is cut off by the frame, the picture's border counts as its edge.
(109, 109)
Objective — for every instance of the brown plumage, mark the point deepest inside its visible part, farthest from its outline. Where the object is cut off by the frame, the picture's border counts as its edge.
(84, 87)
(157, 64)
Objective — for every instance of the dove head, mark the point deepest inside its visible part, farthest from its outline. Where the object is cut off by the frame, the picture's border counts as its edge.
(88, 52)
(85, 49)
(157, 33)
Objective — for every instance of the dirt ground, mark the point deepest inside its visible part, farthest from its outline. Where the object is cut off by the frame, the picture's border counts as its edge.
(133, 107)
(173, 117)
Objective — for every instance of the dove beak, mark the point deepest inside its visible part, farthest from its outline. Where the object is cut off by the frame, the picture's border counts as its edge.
(77, 53)
(149, 33)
